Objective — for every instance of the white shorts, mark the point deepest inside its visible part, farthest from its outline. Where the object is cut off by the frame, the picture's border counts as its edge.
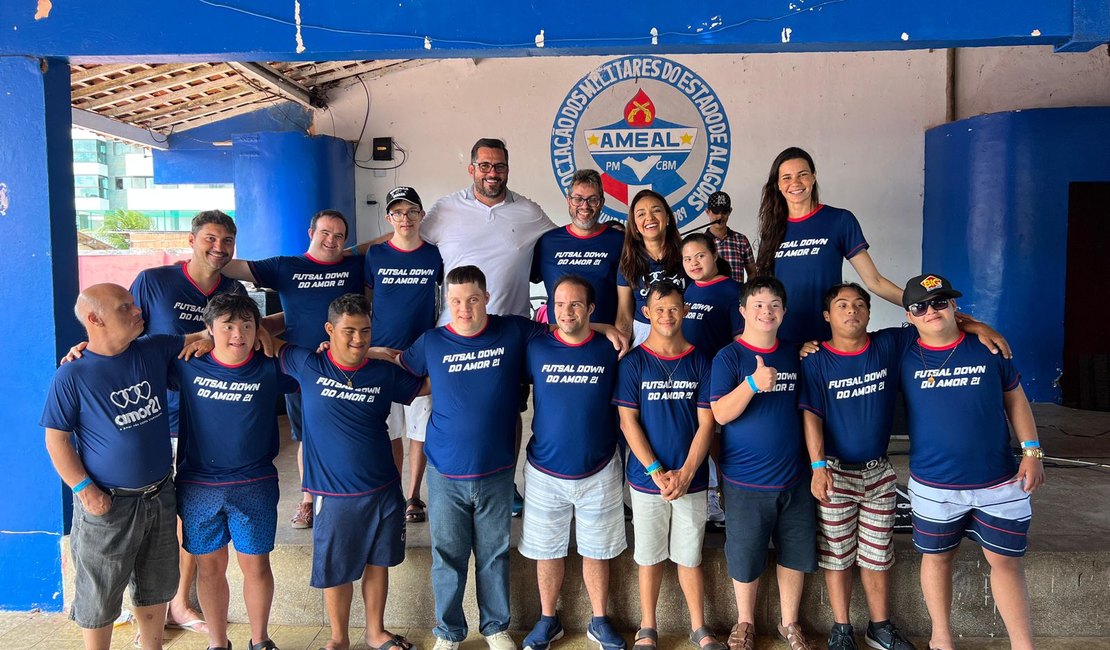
(411, 420)
(595, 502)
(668, 529)
(997, 517)
(640, 332)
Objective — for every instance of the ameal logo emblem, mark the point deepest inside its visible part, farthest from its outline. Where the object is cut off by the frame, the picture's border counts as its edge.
(644, 122)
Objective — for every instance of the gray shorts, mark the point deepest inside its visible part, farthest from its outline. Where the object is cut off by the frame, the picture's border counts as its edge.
(134, 543)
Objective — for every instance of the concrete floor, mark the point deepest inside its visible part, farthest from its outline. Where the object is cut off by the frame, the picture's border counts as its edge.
(55, 632)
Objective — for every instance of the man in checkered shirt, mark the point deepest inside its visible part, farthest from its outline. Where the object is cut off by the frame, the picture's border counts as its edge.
(732, 246)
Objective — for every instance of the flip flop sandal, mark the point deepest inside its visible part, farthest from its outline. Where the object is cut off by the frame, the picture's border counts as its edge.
(398, 642)
(649, 634)
(697, 635)
(415, 511)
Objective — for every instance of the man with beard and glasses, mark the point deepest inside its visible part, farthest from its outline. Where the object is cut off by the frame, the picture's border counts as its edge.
(585, 247)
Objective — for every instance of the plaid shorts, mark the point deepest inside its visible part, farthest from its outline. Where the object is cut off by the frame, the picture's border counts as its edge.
(857, 525)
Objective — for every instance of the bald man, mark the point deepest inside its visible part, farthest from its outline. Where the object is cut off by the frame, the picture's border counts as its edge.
(112, 403)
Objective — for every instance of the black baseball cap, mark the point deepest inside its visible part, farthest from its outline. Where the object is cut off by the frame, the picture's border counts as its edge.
(719, 202)
(926, 286)
(402, 193)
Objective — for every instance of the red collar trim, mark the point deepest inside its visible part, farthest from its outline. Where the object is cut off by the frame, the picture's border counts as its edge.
(806, 216)
(943, 347)
(347, 368)
(401, 250)
(755, 349)
(711, 282)
(468, 336)
(567, 343)
(600, 230)
(316, 261)
(844, 353)
(663, 358)
(185, 270)
(237, 365)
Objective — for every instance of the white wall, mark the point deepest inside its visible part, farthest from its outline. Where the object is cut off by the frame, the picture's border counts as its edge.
(861, 115)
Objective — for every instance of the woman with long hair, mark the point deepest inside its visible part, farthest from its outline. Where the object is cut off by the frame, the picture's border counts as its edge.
(652, 251)
(804, 244)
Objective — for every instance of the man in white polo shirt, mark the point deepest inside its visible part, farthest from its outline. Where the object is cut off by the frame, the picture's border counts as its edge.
(489, 226)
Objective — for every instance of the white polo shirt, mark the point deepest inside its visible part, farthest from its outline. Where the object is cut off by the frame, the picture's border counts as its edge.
(499, 240)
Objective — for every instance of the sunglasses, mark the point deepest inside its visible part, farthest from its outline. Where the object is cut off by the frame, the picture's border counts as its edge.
(919, 309)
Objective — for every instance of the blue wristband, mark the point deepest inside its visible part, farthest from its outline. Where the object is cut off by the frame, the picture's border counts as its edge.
(653, 468)
(1031, 444)
(751, 384)
(82, 485)
(819, 464)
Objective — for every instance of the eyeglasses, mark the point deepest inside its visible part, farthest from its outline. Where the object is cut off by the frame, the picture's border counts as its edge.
(486, 167)
(409, 215)
(577, 201)
(919, 309)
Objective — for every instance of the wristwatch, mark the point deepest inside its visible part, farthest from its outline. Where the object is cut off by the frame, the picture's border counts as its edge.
(1033, 452)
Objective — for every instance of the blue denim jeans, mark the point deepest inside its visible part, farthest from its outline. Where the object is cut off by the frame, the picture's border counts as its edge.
(466, 516)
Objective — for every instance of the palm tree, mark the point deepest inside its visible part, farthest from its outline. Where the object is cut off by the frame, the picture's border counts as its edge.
(118, 221)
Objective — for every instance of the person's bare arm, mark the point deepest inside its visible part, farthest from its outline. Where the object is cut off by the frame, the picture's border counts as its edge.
(988, 336)
(1020, 414)
(626, 304)
(814, 426)
(239, 270)
(731, 405)
(59, 445)
(640, 447)
(362, 247)
(876, 283)
(699, 447)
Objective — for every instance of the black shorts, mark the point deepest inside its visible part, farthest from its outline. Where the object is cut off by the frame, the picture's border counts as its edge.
(754, 518)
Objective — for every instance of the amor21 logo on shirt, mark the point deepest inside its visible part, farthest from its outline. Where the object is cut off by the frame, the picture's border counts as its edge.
(644, 122)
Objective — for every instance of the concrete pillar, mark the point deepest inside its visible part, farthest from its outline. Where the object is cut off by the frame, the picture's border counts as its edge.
(38, 264)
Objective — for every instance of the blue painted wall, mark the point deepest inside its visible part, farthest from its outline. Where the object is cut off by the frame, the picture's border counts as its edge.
(259, 30)
(38, 261)
(996, 215)
(281, 180)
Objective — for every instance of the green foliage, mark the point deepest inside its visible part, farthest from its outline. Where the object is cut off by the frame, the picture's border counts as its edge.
(118, 221)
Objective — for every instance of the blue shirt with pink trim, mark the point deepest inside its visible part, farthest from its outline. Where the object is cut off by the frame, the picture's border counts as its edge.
(404, 285)
(172, 303)
(229, 430)
(959, 436)
(306, 288)
(346, 442)
(762, 449)
(714, 316)
(574, 428)
(808, 262)
(668, 391)
(475, 393)
(596, 258)
(655, 273)
(854, 393)
(116, 407)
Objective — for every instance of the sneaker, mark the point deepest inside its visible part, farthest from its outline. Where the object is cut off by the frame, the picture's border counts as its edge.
(602, 633)
(445, 644)
(302, 517)
(518, 502)
(886, 637)
(842, 637)
(714, 513)
(547, 629)
(500, 641)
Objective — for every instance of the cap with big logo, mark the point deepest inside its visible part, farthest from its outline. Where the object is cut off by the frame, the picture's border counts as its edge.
(402, 193)
(926, 286)
(719, 202)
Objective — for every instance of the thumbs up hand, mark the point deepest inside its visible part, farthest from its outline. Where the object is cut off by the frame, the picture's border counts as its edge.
(764, 376)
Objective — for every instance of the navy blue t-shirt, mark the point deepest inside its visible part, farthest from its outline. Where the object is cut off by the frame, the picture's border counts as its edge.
(475, 391)
(596, 258)
(404, 285)
(229, 431)
(959, 436)
(808, 262)
(306, 288)
(574, 428)
(116, 406)
(714, 318)
(763, 449)
(347, 451)
(668, 391)
(655, 273)
(172, 303)
(854, 393)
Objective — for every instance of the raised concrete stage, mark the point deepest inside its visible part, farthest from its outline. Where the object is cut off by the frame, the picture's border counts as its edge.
(1068, 566)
